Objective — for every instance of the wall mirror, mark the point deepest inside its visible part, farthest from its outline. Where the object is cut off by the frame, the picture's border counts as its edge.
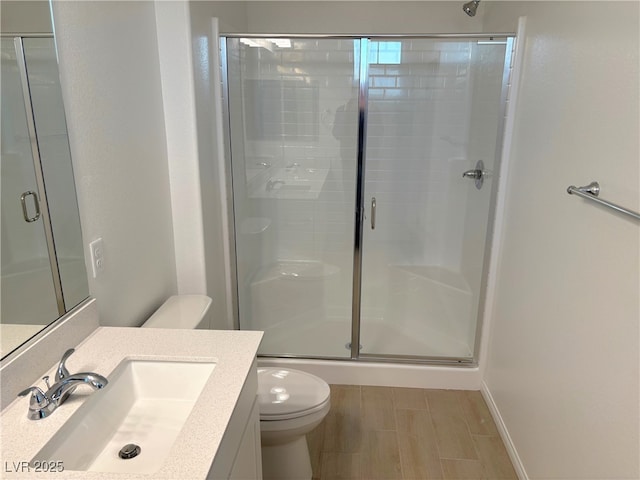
(43, 272)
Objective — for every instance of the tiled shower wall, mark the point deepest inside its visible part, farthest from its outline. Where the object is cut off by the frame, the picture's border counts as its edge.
(418, 128)
(311, 229)
(318, 229)
(418, 123)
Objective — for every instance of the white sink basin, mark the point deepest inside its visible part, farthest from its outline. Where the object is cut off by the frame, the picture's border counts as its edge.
(146, 403)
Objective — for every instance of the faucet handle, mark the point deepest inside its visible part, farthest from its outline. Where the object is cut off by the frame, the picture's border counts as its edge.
(38, 397)
(40, 405)
(62, 371)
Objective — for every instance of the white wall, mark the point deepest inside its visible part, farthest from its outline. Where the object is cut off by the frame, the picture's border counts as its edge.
(563, 362)
(232, 17)
(357, 17)
(110, 71)
(25, 16)
(231, 14)
(176, 71)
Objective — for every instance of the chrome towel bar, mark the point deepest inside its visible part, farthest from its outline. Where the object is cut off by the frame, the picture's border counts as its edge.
(592, 191)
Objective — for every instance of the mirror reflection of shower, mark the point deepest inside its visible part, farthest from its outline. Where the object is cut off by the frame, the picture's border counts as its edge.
(471, 7)
(35, 159)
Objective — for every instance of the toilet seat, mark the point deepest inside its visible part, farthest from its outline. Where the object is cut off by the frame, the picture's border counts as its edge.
(284, 394)
(290, 416)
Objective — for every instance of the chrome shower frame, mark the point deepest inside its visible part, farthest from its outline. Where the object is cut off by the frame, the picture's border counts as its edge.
(508, 38)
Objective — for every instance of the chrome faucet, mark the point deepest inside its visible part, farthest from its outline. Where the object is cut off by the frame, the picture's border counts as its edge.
(62, 372)
(43, 404)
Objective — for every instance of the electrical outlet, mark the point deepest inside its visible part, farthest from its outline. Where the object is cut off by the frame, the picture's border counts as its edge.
(97, 257)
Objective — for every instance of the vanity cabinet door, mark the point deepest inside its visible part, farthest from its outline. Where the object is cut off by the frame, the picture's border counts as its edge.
(248, 462)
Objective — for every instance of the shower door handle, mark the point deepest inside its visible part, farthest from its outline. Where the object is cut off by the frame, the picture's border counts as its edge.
(36, 202)
(373, 213)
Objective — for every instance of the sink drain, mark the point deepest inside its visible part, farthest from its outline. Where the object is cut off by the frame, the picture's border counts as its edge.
(348, 346)
(130, 450)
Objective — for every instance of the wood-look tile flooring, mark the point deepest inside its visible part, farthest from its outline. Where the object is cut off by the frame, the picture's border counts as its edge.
(407, 434)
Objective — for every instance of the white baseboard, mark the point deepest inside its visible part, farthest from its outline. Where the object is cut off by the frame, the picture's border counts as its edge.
(504, 433)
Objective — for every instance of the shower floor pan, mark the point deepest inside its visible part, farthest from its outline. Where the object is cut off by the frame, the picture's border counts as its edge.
(423, 311)
(328, 337)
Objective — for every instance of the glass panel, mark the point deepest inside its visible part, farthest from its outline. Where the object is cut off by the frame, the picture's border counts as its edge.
(53, 143)
(28, 296)
(434, 110)
(293, 117)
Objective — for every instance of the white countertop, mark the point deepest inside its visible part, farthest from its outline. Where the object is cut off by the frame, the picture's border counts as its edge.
(195, 448)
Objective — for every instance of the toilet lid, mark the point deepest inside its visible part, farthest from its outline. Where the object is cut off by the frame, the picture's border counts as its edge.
(285, 393)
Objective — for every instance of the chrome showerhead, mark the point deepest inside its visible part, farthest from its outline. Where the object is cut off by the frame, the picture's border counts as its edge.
(471, 7)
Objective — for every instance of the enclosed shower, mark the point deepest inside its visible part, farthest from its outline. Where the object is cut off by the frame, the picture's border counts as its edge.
(364, 180)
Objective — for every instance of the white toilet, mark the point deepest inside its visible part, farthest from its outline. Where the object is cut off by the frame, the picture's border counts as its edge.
(291, 402)
(182, 311)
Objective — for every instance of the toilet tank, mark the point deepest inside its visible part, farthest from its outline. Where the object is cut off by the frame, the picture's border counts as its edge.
(182, 311)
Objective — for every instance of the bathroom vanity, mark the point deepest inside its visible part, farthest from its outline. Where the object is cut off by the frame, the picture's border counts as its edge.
(218, 435)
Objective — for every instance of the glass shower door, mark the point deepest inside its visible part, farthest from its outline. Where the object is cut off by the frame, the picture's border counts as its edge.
(57, 170)
(434, 110)
(26, 272)
(293, 140)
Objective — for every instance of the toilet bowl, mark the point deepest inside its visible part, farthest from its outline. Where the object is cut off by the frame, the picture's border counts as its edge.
(292, 403)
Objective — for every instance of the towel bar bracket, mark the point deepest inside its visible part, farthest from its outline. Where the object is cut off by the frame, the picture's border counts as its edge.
(592, 192)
